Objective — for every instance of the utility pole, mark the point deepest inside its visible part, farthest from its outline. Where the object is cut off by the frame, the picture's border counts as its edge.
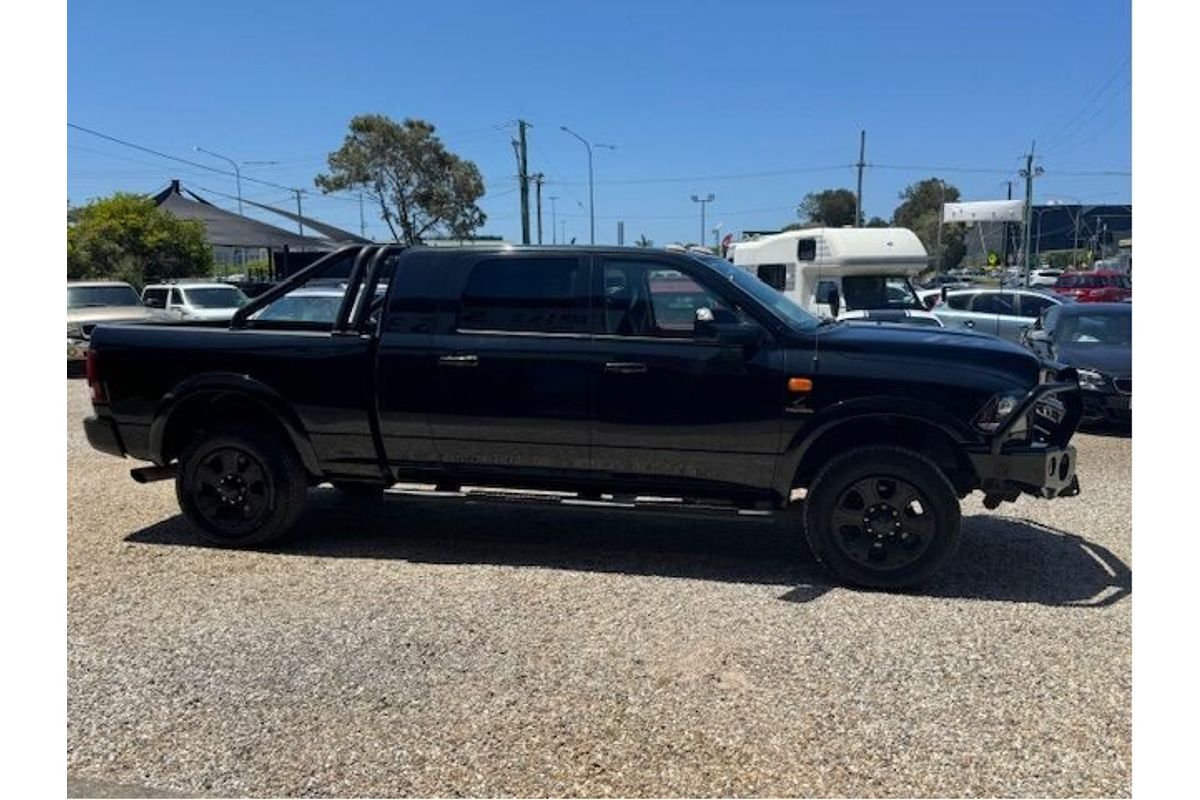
(1005, 230)
(553, 219)
(537, 179)
(523, 167)
(362, 220)
(703, 201)
(1029, 173)
(299, 210)
(862, 151)
(620, 233)
(941, 216)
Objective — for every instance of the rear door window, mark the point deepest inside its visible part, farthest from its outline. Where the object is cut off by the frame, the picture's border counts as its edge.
(523, 294)
(1002, 303)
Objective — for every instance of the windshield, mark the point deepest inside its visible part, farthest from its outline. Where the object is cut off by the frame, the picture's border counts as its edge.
(85, 296)
(872, 292)
(1095, 329)
(776, 301)
(215, 297)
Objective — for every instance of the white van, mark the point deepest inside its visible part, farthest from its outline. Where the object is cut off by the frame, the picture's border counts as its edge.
(863, 273)
(199, 301)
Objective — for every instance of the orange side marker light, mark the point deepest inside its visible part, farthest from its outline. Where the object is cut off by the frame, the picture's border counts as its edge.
(800, 384)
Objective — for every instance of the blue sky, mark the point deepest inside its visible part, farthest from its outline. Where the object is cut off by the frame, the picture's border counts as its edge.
(698, 97)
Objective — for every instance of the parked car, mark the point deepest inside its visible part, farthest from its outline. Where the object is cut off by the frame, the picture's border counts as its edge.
(1044, 277)
(1097, 340)
(91, 302)
(1006, 313)
(1098, 286)
(195, 300)
(628, 373)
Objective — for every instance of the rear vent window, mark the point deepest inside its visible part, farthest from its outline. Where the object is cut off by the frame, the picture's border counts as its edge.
(806, 250)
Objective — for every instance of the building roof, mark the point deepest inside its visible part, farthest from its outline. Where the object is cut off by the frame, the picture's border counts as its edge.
(224, 228)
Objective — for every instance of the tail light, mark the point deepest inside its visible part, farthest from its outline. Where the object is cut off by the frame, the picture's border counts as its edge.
(93, 378)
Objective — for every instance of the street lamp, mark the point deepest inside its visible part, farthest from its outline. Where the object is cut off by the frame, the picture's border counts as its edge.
(236, 171)
(703, 201)
(591, 178)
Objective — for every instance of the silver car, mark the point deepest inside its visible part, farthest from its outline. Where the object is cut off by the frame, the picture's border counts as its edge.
(92, 302)
(1006, 313)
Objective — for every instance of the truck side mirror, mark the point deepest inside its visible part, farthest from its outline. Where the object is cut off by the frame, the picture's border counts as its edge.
(835, 302)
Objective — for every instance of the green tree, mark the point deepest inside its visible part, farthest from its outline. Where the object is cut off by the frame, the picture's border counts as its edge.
(128, 238)
(877, 222)
(644, 242)
(919, 209)
(419, 185)
(833, 208)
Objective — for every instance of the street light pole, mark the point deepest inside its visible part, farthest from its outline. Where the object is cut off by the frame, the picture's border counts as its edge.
(703, 201)
(591, 178)
(553, 219)
(236, 171)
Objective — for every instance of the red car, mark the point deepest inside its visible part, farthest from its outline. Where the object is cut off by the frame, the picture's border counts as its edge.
(1100, 286)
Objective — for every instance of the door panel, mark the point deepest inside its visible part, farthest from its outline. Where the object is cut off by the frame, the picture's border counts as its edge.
(513, 368)
(669, 404)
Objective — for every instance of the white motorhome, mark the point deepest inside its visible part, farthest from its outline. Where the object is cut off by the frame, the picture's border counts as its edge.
(866, 272)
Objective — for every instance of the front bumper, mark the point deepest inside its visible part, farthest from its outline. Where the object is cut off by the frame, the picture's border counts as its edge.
(1042, 471)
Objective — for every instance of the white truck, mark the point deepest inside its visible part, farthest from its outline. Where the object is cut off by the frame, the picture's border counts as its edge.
(847, 273)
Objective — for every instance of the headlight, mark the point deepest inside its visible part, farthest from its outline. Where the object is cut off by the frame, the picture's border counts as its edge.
(998, 409)
(74, 330)
(1091, 379)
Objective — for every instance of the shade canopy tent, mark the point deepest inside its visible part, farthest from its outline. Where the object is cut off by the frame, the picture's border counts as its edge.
(226, 229)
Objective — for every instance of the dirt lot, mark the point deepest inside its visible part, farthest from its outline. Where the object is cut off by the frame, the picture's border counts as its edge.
(434, 648)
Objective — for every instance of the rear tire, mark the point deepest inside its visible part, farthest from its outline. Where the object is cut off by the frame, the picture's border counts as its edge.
(240, 487)
(882, 517)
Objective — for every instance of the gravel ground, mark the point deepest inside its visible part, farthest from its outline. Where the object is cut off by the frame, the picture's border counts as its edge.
(423, 647)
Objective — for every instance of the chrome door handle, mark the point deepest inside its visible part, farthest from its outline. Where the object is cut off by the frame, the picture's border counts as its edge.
(459, 361)
(969, 323)
(625, 367)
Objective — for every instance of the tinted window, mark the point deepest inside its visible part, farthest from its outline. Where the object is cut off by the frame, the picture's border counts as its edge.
(155, 298)
(546, 295)
(85, 296)
(215, 297)
(773, 275)
(1003, 303)
(961, 301)
(806, 250)
(825, 290)
(1033, 306)
(877, 292)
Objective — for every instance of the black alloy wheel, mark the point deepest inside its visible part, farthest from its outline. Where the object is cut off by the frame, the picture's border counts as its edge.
(883, 517)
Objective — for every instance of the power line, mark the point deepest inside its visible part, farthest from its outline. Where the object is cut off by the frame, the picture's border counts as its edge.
(1083, 126)
(1053, 140)
(726, 177)
(189, 162)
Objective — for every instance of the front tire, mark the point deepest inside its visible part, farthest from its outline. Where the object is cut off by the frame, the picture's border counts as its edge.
(882, 517)
(240, 487)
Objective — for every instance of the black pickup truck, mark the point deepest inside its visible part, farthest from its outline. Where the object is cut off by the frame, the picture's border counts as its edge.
(608, 375)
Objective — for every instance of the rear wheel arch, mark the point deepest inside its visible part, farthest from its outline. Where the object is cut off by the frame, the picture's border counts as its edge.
(207, 407)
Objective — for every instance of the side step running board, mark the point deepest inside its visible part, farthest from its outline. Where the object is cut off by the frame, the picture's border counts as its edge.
(667, 505)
